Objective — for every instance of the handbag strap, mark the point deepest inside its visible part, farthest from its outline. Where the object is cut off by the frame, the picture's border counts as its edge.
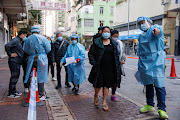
(60, 46)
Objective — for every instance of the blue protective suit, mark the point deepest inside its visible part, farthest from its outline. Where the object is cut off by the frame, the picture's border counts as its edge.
(76, 71)
(152, 57)
(37, 45)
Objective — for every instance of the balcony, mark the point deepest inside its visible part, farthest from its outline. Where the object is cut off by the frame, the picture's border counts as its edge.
(13, 8)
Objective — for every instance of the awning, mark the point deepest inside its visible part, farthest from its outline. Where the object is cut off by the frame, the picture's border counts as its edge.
(136, 36)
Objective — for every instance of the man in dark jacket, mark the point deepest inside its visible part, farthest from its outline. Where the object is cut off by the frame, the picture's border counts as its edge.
(15, 52)
(99, 34)
(58, 51)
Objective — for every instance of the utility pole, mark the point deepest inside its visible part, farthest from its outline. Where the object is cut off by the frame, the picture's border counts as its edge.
(128, 51)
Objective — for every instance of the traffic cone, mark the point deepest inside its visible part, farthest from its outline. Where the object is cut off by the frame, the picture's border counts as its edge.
(173, 71)
(38, 102)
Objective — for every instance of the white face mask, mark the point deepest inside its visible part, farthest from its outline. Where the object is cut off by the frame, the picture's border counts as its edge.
(74, 42)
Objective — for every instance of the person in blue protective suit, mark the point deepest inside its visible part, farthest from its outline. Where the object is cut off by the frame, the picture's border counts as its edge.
(76, 70)
(151, 65)
(37, 47)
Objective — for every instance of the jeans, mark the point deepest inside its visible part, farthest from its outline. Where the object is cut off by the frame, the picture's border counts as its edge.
(160, 93)
(24, 66)
(15, 72)
(59, 74)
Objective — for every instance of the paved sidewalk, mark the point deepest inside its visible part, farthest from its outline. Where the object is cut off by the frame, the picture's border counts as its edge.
(83, 108)
(11, 108)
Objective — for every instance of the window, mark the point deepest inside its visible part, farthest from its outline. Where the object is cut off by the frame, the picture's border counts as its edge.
(79, 23)
(89, 23)
(101, 23)
(111, 10)
(101, 10)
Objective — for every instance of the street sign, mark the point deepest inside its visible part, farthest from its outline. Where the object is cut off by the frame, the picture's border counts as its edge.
(42, 5)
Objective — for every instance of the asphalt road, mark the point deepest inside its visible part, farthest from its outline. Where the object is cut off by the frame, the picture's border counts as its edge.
(133, 90)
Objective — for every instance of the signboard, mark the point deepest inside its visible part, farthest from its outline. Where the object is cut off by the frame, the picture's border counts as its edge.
(176, 1)
(42, 5)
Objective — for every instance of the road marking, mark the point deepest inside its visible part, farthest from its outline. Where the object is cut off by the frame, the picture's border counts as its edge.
(136, 103)
(130, 68)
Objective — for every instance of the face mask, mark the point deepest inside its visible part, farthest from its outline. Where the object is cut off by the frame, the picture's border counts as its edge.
(144, 27)
(59, 38)
(74, 42)
(115, 39)
(49, 41)
(106, 35)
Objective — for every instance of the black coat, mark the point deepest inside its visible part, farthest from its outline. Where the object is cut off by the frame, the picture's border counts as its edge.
(56, 57)
(95, 55)
(15, 46)
(96, 36)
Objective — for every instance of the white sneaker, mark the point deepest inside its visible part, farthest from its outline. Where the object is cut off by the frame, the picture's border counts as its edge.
(54, 79)
(13, 96)
(26, 90)
(18, 93)
(43, 98)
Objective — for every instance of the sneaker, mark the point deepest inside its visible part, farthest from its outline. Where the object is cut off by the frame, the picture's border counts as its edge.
(113, 98)
(26, 90)
(13, 96)
(54, 79)
(18, 93)
(147, 108)
(162, 114)
(43, 97)
(73, 89)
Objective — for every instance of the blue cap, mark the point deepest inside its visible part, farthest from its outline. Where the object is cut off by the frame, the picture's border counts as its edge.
(144, 18)
(35, 29)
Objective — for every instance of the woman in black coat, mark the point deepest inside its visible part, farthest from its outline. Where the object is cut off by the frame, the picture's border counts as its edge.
(104, 58)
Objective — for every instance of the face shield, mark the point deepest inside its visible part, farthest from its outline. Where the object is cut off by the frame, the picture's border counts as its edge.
(143, 25)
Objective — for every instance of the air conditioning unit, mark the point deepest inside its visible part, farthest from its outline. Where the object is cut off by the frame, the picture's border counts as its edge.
(86, 11)
(164, 2)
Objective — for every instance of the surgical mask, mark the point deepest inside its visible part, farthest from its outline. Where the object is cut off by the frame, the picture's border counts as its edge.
(74, 42)
(59, 38)
(49, 41)
(144, 27)
(106, 35)
(115, 38)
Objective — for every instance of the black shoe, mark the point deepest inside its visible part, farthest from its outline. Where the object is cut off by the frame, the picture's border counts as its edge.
(73, 89)
(58, 86)
(76, 92)
(68, 85)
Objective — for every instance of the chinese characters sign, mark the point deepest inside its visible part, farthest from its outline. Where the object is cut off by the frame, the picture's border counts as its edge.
(41, 5)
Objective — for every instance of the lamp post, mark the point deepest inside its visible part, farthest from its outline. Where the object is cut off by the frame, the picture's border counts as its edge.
(128, 29)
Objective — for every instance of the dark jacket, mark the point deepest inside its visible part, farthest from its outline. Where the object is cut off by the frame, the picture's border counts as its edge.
(95, 55)
(56, 57)
(15, 46)
(96, 36)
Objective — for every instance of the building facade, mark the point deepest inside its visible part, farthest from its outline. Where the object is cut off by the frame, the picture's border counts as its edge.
(90, 17)
(151, 8)
(10, 13)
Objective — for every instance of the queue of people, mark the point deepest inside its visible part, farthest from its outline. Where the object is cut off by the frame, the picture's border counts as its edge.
(106, 55)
